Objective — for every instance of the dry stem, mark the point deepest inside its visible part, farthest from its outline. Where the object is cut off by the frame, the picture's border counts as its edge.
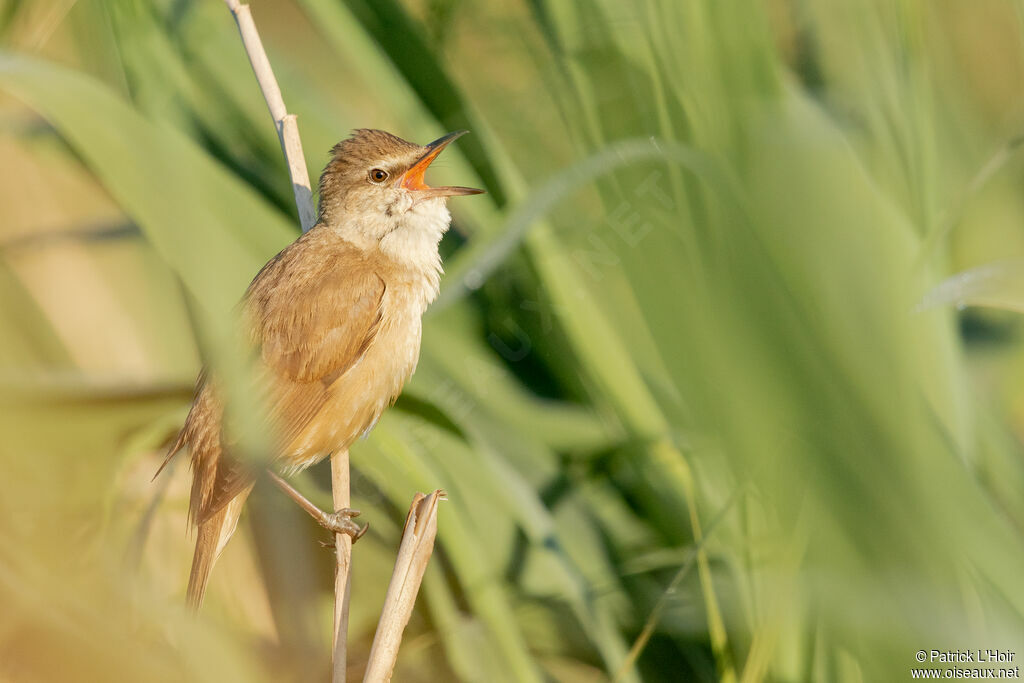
(291, 145)
(343, 555)
(287, 128)
(413, 556)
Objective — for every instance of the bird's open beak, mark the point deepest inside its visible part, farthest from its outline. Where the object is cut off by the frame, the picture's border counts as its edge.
(413, 178)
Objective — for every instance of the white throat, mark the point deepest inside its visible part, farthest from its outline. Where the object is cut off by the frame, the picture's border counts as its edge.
(412, 237)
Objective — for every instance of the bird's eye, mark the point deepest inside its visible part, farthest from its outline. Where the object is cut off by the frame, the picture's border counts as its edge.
(378, 175)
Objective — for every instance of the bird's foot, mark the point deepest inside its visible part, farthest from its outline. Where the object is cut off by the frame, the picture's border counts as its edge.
(340, 522)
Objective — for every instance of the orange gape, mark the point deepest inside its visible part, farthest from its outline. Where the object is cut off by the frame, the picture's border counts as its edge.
(336, 317)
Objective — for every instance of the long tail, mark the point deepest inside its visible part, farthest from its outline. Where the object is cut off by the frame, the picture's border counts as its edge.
(213, 535)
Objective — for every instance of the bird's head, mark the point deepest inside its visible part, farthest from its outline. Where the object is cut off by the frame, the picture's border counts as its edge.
(374, 185)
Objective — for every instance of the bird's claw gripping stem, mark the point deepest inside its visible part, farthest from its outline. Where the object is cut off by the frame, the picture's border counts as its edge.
(340, 522)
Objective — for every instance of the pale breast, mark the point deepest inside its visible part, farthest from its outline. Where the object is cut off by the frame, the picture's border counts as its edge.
(358, 397)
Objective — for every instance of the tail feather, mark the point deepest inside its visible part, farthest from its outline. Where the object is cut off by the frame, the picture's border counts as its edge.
(214, 533)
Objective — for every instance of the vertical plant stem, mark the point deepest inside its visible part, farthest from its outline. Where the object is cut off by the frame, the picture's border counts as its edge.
(343, 556)
(291, 146)
(285, 123)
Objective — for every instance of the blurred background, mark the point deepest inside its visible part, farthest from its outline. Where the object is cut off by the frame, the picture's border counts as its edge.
(724, 382)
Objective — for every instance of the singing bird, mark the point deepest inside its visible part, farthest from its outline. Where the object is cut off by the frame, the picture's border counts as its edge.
(335, 319)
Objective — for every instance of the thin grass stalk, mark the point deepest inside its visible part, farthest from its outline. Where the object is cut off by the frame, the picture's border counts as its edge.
(285, 123)
(340, 488)
(291, 146)
(693, 556)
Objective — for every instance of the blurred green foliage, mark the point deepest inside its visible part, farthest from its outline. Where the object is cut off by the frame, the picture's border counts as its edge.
(705, 397)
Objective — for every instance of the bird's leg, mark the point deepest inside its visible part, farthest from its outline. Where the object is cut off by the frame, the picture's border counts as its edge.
(339, 522)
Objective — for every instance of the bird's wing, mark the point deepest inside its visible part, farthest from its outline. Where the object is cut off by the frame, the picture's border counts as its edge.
(312, 321)
(321, 330)
(312, 316)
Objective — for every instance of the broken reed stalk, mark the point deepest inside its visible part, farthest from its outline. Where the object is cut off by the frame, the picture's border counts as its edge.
(287, 128)
(413, 556)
